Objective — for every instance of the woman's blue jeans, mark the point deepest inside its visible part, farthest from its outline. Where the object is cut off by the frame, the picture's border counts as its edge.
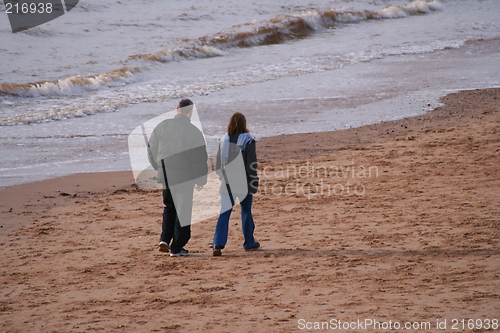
(247, 223)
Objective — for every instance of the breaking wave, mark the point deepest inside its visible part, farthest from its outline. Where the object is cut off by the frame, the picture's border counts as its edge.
(71, 85)
(286, 27)
(181, 53)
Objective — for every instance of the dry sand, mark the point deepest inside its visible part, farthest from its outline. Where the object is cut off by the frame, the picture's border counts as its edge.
(396, 221)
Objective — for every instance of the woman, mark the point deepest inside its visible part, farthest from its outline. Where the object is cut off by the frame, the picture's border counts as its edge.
(237, 170)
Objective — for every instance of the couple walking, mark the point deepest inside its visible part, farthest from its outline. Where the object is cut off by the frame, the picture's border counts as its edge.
(177, 151)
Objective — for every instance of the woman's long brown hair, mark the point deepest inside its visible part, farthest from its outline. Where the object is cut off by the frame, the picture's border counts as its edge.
(237, 124)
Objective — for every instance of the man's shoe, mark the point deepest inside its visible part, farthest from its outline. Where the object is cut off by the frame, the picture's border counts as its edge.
(217, 250)
(255, 247)
(163, 247)
(182, 252)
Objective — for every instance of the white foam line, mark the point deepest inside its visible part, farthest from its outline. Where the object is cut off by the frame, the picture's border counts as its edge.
(32, 166)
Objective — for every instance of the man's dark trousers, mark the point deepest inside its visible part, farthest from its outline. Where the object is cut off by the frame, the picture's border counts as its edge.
(171, 227)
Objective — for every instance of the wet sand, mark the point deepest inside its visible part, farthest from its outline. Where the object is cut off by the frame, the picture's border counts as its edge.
(396, 221)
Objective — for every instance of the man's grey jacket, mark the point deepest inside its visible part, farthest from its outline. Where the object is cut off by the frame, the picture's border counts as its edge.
(181, 146)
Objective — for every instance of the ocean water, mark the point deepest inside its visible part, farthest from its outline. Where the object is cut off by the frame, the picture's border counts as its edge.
(72, 90)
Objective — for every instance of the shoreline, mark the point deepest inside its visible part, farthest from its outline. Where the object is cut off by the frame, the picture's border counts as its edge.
(459, 108)
(56, 144)
(19, 203)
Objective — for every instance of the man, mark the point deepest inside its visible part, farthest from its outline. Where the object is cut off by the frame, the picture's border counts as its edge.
(177, 150)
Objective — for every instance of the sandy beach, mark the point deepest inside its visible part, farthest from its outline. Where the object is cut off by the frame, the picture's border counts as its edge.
(396, 222)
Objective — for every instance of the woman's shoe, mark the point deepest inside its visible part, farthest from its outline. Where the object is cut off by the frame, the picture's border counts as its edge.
(254, 247)
(217, 250)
